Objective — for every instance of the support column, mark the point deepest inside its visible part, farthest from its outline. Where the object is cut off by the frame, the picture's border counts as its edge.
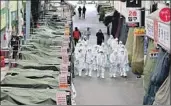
(28, 12)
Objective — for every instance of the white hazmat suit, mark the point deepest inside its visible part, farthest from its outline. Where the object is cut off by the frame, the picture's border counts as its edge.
(80, 61)
(114, 44)
(123, 61)
(94, 57)
(89, 61)
(101, 62)
(113, 63)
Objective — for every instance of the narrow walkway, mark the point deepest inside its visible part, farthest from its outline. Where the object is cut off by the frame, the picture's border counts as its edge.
(96, 91)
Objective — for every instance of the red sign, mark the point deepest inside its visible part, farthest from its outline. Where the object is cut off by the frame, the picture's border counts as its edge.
(164, 14)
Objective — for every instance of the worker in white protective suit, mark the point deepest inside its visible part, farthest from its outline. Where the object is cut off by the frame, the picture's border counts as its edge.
(85, 47)
(88, 61)
(94, 56)
(120, 44)
(109, 40)
(113, 63)
(109, 44)
(123, 61)
(114, 44)
(101, 62)
(77, 47)
(79, 61)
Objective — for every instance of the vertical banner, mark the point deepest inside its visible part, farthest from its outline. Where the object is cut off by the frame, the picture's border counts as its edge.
(155, 32)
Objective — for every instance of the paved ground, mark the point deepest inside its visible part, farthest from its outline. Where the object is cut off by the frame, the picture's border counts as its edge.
(96, 91)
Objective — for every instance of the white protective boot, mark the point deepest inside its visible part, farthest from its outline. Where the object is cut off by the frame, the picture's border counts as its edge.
(90, 72)
(98, 72)
(80, 72)
(102, 73)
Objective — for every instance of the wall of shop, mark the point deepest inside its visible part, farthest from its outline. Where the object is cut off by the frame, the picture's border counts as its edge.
(3, 23)
(11, 21)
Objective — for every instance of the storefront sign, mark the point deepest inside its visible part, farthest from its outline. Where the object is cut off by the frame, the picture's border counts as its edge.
(63, 80)
(164, 35)
(133, 17)
(133, 3)
(149, 27)
(164, 14)
(61, 98)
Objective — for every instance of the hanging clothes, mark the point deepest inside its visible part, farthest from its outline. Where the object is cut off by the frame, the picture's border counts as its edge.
(115, 23)
(158, 76)
(124, 31)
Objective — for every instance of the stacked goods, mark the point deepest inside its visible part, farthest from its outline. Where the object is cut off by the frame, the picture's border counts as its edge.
(42, 74)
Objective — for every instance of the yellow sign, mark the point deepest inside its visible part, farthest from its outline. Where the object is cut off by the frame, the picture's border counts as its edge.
(2, 4)
(3, 21)
(13, 5)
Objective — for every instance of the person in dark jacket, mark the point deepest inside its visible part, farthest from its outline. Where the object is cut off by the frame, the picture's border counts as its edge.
(76, 35)
(79, 11)
(100, 37)
(84, 11)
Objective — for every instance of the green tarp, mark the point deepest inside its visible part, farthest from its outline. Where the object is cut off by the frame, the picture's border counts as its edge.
(148, 66)
(24, 96)
(137, 63)
(129, 44)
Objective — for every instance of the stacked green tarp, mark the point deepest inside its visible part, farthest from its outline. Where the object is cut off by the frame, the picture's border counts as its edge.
(31, 78)
(148, 66)
(30, 64)
(43, 60)
(25, 96)
(129, 44)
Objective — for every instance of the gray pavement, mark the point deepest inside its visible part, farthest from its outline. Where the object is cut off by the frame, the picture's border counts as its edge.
(96, 91)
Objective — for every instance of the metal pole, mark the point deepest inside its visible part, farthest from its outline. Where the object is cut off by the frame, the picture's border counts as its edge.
(28, 12)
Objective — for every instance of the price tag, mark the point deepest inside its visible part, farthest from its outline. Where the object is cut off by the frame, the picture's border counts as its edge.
(164, 35)
(65, 59)
(63, 80)
(61, 98)
(63, 50)
(65, 44)
(64, 68)
(149, 27)
(66, 38)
